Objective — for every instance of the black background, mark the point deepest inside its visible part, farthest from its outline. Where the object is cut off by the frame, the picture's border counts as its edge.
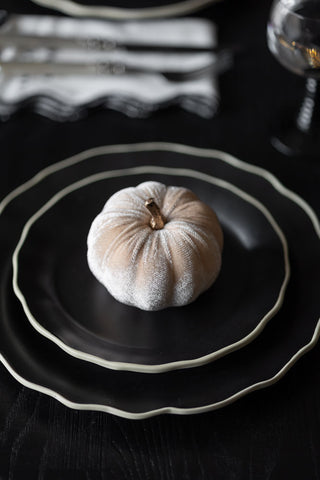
(270, 434)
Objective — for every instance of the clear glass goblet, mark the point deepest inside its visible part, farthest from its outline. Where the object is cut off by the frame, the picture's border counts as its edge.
(293, 36)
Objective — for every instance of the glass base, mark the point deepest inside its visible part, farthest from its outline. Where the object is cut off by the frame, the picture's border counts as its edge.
(291, 141)
(301, 134)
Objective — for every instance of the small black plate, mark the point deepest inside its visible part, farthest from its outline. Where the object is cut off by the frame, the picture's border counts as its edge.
(69, 306)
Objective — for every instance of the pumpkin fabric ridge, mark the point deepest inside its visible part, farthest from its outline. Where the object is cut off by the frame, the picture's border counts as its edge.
(149, 268)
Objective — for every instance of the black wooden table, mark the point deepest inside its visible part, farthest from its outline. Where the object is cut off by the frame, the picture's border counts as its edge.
(270, 434)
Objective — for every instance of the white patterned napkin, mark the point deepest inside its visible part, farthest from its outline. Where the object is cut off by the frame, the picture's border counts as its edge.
(137, 94)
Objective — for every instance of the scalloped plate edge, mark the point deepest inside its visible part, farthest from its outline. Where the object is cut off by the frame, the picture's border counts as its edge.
(75, 9)
(172, 410)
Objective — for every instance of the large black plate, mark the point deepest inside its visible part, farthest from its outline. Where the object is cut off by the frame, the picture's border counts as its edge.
(39, 364)
(67, 304)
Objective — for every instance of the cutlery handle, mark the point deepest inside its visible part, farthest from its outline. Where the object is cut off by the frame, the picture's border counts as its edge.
(50, 68)
(219, 64)
(39, 41)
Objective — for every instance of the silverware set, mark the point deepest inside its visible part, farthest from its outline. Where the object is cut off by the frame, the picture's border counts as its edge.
(219, 59)
(61, 66)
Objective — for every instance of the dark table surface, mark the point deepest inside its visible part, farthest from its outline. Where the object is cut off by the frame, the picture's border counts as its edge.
(270, 434)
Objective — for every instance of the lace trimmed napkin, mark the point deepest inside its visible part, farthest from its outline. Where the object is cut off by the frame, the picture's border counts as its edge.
(136, 94)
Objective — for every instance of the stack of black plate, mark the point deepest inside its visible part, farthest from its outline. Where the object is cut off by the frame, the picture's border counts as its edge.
(64, 335)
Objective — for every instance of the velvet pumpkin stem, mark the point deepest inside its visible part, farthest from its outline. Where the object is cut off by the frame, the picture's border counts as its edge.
(157, 221)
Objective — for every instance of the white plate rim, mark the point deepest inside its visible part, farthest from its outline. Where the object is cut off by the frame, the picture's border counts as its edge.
(188, 150)
(71, 7)
(163, 367)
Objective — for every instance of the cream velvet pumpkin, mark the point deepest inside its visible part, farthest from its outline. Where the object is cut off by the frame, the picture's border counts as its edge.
(154, 246)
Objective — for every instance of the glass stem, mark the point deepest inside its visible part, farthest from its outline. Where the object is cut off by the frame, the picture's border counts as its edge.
(308, 119)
